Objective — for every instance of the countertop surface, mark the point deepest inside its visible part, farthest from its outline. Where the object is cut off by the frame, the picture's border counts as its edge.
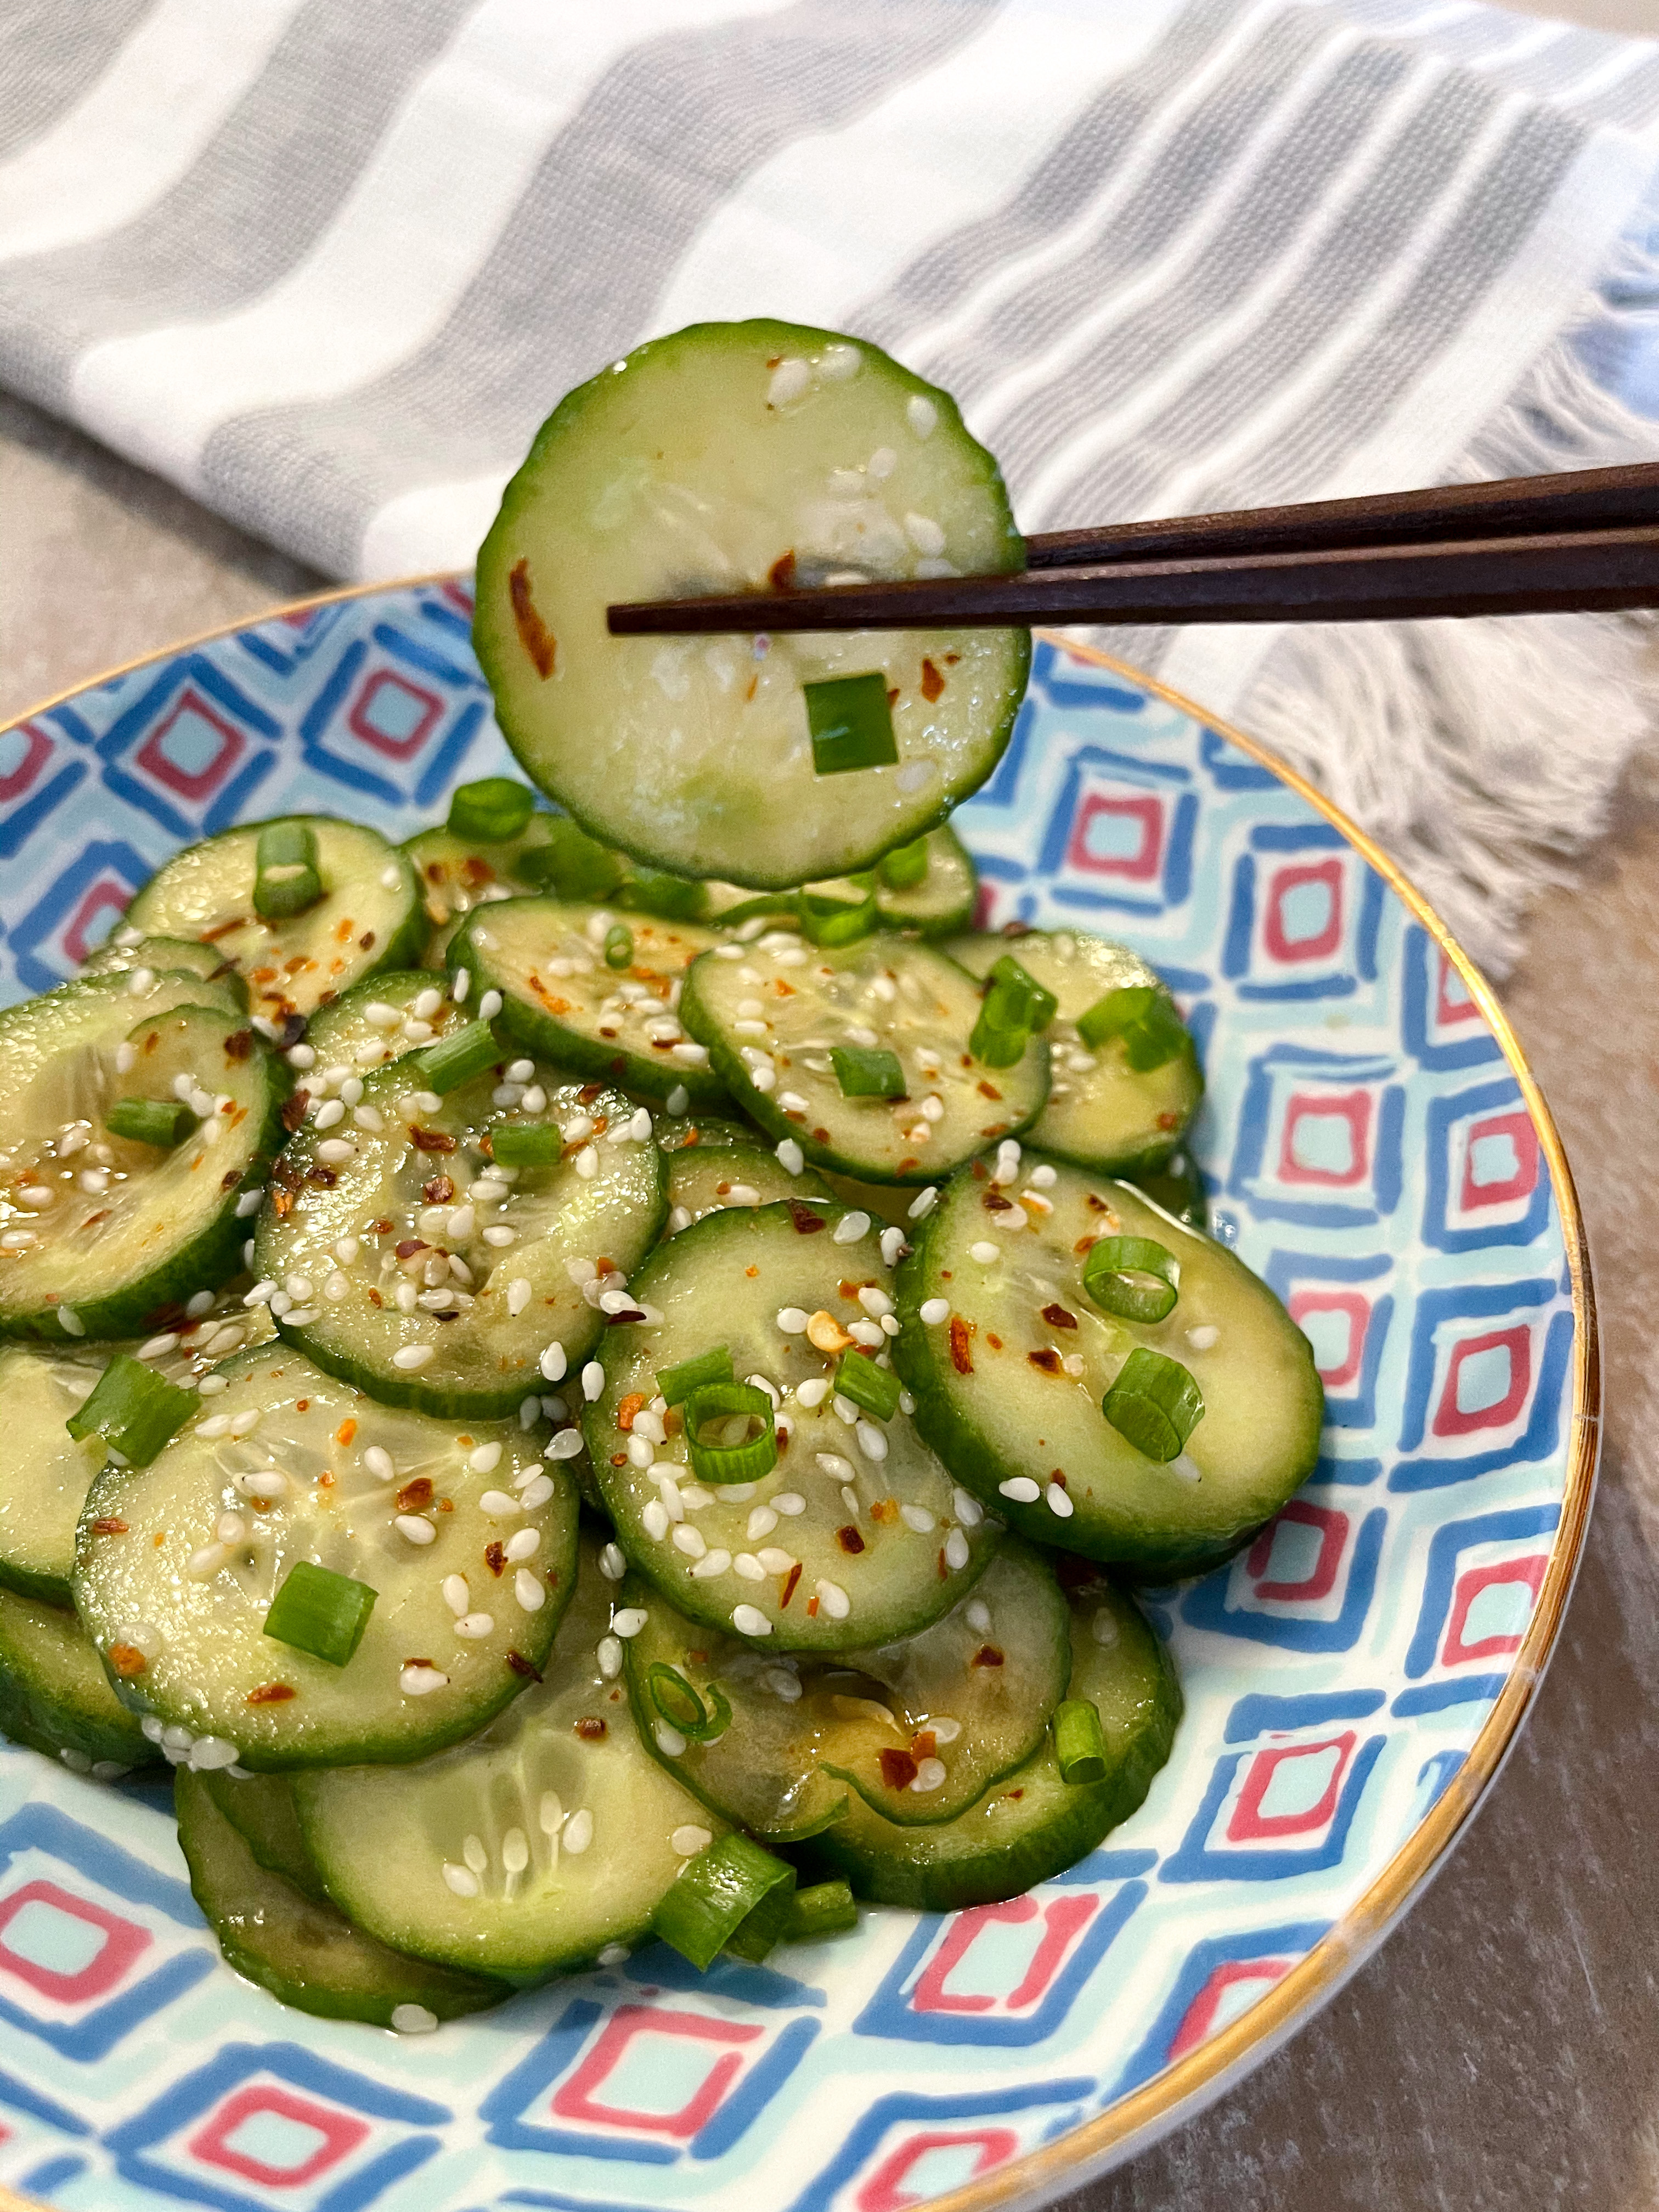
(1502, 2048)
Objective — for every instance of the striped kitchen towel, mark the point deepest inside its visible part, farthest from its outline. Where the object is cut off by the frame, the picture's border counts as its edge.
(326, 264)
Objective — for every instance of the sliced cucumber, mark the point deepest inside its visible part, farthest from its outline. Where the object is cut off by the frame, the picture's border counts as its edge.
(713, 460)
(1178, 1188)
(369, 915)
(355, 1031)
(1033, 1825)
(44, 1474)
(562, 1000)
(702, 1178)
(179, 1621)
(100, 1233)
(872, 1539)
(1102, 1112)
(772, 1016)
(54, 1695)
(261, 1809)
(306, 1952)
(421, 1185)
(458, 873)
(541, 1844)
(919, 1729)
(997, 1401)
(129, 951)
(935, 903)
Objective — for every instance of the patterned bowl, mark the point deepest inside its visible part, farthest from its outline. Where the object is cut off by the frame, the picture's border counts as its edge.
(1374, 1145)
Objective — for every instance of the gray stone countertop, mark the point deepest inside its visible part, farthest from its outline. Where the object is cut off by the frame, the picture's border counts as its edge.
(1501, 2049)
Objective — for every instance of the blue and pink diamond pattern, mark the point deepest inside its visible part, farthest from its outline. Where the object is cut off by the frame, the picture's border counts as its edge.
(1367, 1150)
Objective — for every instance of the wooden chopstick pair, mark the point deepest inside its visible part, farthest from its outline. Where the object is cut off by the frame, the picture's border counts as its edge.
(1581, 540)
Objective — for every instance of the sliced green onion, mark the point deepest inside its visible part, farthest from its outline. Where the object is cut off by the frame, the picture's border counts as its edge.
(851, 722)
(747, 1461)
(1079, 1745)
(618, 946)
(571, 863)
(526, 1143)
(827, 1908)
(902, 870)
(456, 1058)
(1037, 1005)
(867, 1072)
(320, 1611)
(655, 890)
(827, 918)
(1118, 1010)
(676, 1383)
(732, 1896)
(998, 1044)
(490, 811)
(875, 1389)
(134, 1409)
(1133, 1277)
(163, 1122)
(1157, 1037)
(678, 1701)
(1155, 1404)
(285, 877)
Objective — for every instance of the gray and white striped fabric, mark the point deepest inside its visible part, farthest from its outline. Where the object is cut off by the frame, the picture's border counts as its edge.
(326, 264)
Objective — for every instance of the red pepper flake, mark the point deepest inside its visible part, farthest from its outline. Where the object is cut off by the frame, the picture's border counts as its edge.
(223, 929)
(415, 1496)
(782, 574)
(994, 1202)
(988, 1090)
(820, 1136)
(229, 1180)
(430, 1140)
(1057, 1475)
(811, 1608)
(884, 1509)
(789, 1582)
(127, 1660)
(892, 695)
(849, 1539)
(932, 682)
(627, 1408)
(1096, 1205)
(407, 1247)
(980, 1170)
(300, 1404)
(1167, 1121)
(944, 1565)
(324, 1178)
(589, 1092)
(109, 1527)
(961, 1358)
(1047, 1359)
(924, 1744)
(495, 1558)
(951, 660)
(439, 1191)
(272, 1693)
(520, 1665)
(534, 634)
(805, 1222)
(590, 1729)
(995, 1342)
(293, 1111)
(898, 1769)
(344, 1433)
(988, 1656)
(366, 942)
(239, 1044)
(1057, 1317)
(374, 1297)
(619, 1459)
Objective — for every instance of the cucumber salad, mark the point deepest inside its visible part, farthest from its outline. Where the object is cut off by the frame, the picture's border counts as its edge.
(610, 1373)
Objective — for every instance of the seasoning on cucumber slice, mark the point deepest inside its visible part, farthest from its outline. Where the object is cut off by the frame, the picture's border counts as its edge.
(545, 960)
(1011, 1356)
(1032, 1824)
(129, 950)
(398, 1012)
(545, 1843)
(465, 1537)
(920, 1728)
(857, 1534)
(103, 1235)
(436, 1275)
(457, 873)
(718, 458)
(301, 1948)
(367, 914)
(55, 1698)
(703, 1178)
(1120, 1100)
(774, 1015)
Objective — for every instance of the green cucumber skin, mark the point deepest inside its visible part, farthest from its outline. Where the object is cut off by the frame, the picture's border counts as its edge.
(251, 1909)
(261, 1810)
(391, 1387)
(898, 910)
(493, 646)
(919, 1356)
(44, 1706)
(885, 1864)
(766, 1115)
(210, 1260)
(171, 955)
(544, 1038)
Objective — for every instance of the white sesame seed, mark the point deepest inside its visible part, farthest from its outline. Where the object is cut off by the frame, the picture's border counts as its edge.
(1021, 1489)
(609, 1658)
(592, 1381)
(678, 1099)
(792, 1320)
(955, 1551)
(408, 1356)
(630, 1621)
(456, 1594)
(922, 415)
(205, 1563)
(417, 1681)
(1205, 1339)
(461, 985)
(714, 1563)
(413, 1529)
(216, 1424)
(552, 1364)
(978, 1616)
(924, 533)
(689, 1055)
(567, 1444)
(474, 1626)
(866, 1333)
(750, 1620)
(654, 1519)
(614, 1954)
(70, 1322)
(873, 1440)
(327, 1115)
(791, 380)
(523, 1544)
(919, 1518)
(578, 1832)
(834, 1600)
(1058, 1502)
(930, 1773)
(380, 1462)
(934, 1310)
(749, 1567)
(923, 1203)
(983, 1252)
(457, 1878)
(244, 1424)
(489, 1005)
(496, 1505)
(335, 1151)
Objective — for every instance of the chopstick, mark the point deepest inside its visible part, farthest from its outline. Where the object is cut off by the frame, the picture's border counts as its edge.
(1572, 572)
(1591, 542)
